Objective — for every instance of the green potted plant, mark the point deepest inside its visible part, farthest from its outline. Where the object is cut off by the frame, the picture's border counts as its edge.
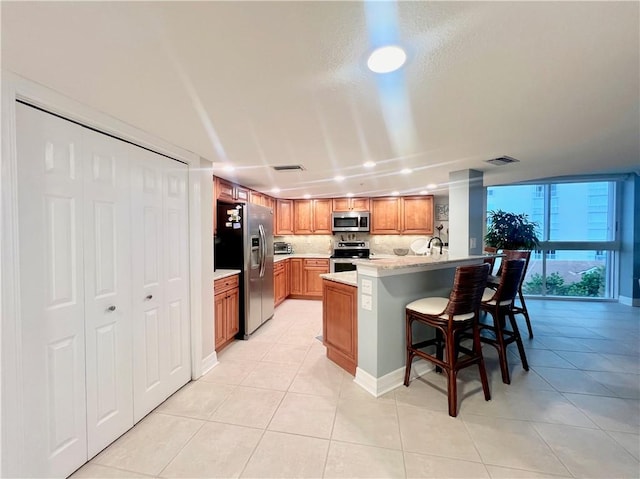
(510, 231)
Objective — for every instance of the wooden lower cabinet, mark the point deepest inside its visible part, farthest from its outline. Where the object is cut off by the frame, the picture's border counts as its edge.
(305, 281)
(280, 280)
(340, 324)
(226, 310)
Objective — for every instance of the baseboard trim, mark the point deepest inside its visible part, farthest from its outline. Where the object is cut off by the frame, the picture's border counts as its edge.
(209, 363)
(628, 301)
(382, 385)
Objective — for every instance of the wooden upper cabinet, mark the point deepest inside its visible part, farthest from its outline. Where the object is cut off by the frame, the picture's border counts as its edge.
(417, 215)
(303, 217)
(386, 215)
(256, 198)
(312, 217)
(284, 217)
(351, 204)
(322, 217)
(227, 191)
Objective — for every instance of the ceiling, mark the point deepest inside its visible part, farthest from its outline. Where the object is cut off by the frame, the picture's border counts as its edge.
(260, 84)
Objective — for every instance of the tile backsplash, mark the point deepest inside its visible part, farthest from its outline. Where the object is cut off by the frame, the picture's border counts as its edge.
(379, 244)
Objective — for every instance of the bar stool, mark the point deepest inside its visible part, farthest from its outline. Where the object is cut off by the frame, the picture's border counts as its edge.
(499, 304)
(451, 317)
(522, 309)
(492, 260)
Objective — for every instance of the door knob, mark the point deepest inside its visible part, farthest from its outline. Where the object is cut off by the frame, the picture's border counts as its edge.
(111, 308)
(149, 296)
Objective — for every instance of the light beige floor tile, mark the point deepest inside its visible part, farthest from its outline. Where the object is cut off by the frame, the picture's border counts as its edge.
(589, 452)
(306, 415)
(498, 472)
(250, 407)
(421, 465)
(546, 358)
(612, 414)
(286, 353)
(512, 443)
(287, 455)
(94, 471)
(436, 433)
(631, 442)
(367, 422)
(572, 381)
(541, 406)
(354, 460)
(229, 371)
(217, 450)
(245, 350)
(198, 399)
(322, 379)
(270, 376)
(351, 390)
(151, 444)
(621, 385)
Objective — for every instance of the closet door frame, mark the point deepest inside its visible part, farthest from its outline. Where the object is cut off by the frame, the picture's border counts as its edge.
(16, 88)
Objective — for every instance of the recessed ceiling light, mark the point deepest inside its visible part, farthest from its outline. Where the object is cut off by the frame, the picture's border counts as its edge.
(338, 178)
(307, 196)
(431, 186)
(275, 190)
(349, 195)
(386, 59)
(424, 192)
(395, 193)
(369, 164)
(406, 171)
(229, 168)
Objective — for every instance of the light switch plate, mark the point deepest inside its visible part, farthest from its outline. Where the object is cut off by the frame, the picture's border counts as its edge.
(366, 286)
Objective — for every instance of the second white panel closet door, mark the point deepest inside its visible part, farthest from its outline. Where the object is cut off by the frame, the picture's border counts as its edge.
(160, 279)
(107, 261)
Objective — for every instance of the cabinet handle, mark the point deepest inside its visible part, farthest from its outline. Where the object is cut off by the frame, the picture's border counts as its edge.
(148, 297)
(111, 308)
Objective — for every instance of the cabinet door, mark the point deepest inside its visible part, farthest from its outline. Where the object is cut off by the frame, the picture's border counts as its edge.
(287, 278)
(311, 280)
(223, 190)
(340, 324)
(296, 276)
(322, 216)
(385, 216)
(417, 214)
(284, 217)
(240, 194)
(303, 217)
(341, 204)
(256, 198)
(220, 318)
(360, 204)
(233, 313)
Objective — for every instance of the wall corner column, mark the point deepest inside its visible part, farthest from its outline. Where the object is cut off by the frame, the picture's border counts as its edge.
(466, 212)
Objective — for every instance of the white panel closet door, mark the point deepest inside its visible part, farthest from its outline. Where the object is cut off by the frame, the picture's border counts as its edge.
(107, 269)
(160, 279)
(50, 215)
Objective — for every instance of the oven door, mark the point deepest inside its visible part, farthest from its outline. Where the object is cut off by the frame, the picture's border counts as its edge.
(338, 265)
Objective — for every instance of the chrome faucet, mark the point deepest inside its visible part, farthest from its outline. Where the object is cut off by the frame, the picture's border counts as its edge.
(433, 238)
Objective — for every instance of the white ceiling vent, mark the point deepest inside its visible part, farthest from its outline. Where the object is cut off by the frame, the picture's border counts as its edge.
(503, 160)
(289, 168)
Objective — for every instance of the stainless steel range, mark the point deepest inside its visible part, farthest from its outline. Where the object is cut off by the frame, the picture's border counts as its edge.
(344, 252)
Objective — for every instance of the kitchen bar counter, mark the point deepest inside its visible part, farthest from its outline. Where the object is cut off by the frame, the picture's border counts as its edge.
(345, 277)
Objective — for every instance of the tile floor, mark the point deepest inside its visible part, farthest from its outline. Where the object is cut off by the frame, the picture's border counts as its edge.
(276, 407)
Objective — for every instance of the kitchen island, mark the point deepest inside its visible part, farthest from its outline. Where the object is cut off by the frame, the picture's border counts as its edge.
(383, 289)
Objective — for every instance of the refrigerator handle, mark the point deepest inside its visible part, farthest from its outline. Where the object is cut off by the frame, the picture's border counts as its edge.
(263, 249)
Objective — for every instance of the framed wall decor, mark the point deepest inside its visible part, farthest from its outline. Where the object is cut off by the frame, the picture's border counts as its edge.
(442, 212)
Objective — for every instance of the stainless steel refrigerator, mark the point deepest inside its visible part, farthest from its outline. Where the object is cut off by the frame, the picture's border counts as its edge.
(244, 241)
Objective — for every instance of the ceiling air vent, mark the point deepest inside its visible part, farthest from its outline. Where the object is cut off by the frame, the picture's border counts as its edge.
(288, 168)
(503, 160)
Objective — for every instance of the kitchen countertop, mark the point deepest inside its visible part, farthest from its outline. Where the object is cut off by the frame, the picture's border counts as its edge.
(282, 257)
(224, 273)
(346, 277)
(406, 264)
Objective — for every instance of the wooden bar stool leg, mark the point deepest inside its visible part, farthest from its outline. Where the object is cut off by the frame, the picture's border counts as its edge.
(407, 372)
(439, 348)
(525, 313)
(499, 321)
(477, 346)
(451, 376)
(516, 333)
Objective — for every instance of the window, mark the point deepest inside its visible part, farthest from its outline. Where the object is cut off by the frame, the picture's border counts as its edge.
(578, 249)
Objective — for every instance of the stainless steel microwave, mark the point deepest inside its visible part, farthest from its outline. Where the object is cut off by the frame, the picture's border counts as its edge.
(350, 221)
